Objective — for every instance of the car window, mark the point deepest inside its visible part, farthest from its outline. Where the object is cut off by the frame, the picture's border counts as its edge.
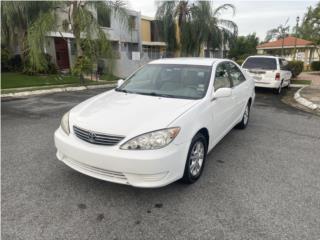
(235, 74)
(260, 63)
(170, 80)
(283, 64)
(221, 79)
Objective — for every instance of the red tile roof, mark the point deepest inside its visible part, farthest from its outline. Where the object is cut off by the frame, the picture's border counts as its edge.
(288, 41)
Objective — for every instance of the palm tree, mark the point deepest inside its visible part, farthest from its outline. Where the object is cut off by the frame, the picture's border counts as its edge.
(198, 24)
(281, 32)
(90, 39)
(16, 18)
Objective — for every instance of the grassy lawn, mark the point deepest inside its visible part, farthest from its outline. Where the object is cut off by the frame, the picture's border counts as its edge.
(307, 82)
(17, 80)
(109, 77)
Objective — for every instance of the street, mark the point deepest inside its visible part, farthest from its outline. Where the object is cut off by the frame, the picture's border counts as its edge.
(259, 183)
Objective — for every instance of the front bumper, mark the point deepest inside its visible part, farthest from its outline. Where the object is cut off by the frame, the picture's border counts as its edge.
(139, 168)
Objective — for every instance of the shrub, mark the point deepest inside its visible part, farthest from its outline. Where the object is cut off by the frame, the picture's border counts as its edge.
(5, 59)
(315, 66)
(48, 65)
(240, 61)
(8, 62)
(295, 67)
(82, 65)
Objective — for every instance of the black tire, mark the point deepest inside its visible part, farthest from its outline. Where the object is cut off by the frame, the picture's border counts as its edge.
(278, 90)
(245, 119)
(188, 176)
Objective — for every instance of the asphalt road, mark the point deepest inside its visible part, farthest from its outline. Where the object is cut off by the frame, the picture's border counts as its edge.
(260, 183)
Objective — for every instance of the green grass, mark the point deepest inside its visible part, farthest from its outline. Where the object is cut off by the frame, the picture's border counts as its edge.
(108, 77)
(19, 80)
(307, 82)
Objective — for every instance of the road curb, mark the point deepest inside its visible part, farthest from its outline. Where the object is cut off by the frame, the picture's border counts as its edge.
(305, 102)
(298, 85)
(55, 90)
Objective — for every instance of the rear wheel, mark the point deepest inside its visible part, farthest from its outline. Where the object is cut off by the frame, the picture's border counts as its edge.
(196, 158)
(279, 89)
(289, 83)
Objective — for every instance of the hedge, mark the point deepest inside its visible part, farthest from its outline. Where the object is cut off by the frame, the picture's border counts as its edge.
(315, 66)
(295, 67)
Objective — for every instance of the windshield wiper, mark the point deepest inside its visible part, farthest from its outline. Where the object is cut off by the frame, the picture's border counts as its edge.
(157, 94)
(122, 90)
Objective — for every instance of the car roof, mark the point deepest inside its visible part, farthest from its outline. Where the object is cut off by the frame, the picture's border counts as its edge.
(187, 61)
(263, 56)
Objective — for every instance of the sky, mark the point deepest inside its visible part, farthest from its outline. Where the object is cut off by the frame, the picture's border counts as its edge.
(251, 16)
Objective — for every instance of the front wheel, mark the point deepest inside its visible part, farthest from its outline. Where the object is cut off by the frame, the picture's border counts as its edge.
(196, 158)
(245, 118)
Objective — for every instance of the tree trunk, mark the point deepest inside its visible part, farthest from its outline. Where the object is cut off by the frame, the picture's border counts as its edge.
(78, 46)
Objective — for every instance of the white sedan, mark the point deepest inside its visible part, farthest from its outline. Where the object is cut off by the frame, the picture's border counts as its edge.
(159, 124)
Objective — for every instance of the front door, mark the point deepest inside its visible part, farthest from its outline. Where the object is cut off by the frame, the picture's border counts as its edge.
(62, 54)
(222, 108)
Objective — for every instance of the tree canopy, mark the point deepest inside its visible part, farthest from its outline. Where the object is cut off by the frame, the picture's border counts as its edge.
(244, 46)
(27, 24)
(309, 28)
(188, 26)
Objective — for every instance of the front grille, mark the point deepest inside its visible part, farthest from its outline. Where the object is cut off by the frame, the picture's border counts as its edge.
(96, 138)
(98, 171)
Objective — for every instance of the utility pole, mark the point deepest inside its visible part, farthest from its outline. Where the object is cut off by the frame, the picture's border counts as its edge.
(295, 40)
(282, 34)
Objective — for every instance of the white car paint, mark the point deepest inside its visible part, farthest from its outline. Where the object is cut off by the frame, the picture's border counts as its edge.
(267, 78)
(130, 115)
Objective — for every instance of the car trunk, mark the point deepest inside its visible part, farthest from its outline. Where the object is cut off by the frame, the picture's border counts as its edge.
(261, 69)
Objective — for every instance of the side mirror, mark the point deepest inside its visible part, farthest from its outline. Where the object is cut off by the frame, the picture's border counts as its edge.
(222, 92)
(120, 82)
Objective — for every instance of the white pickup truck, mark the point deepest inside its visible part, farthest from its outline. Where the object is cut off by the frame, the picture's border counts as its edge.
(268, 71)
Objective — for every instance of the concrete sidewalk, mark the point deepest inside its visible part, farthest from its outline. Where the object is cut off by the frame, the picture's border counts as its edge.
(314, 77)
(309, 97)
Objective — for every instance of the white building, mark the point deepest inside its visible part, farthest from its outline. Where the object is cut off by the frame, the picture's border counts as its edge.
(130, 50)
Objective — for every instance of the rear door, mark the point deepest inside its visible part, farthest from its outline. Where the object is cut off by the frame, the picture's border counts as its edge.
(240, 89)
(261, 69)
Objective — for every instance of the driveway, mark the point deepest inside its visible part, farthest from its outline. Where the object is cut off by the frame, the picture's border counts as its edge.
(258, 183)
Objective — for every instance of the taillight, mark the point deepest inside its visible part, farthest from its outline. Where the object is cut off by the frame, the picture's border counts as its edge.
(277, 76)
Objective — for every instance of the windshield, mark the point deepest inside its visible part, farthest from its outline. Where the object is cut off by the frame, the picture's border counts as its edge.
(168, 80)
(260, 63)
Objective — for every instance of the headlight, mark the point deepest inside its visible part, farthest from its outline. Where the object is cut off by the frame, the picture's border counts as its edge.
(152, 140)
(65, 123)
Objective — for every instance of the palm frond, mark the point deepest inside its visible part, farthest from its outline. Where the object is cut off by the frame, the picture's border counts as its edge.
(217, 11)
(36, 37)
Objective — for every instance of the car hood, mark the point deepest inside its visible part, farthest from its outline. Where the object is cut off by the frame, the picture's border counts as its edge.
(129, 114)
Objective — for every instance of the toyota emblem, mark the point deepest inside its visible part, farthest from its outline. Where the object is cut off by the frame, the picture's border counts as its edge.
(92, 137)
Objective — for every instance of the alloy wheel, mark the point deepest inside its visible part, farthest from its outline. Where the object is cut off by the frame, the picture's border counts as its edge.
(196, 158)
(246, 115)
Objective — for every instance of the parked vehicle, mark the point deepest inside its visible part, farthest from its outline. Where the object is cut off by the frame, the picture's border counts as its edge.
(159, 124)
(268, 72)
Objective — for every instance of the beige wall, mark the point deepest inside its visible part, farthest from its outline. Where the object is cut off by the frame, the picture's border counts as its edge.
(145, 30)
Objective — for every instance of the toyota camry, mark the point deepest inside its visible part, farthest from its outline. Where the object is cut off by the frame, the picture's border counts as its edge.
(159, 124)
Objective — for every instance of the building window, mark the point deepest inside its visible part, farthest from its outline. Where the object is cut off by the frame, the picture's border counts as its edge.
(152, 51)
(104, 19)
(115, 49)
(133, 22)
